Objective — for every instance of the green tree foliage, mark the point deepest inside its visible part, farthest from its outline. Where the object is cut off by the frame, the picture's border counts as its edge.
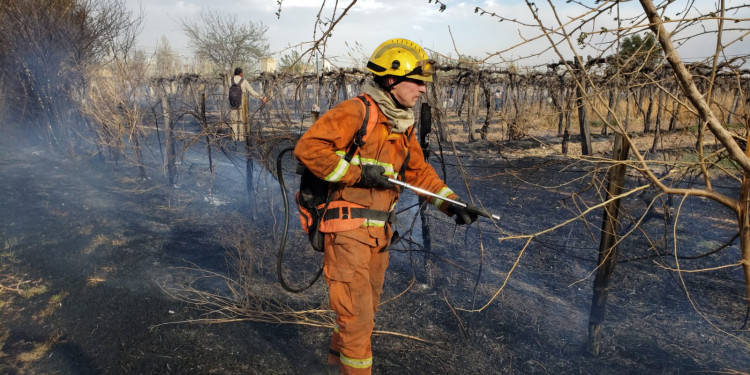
(639, 53)
(293, 63)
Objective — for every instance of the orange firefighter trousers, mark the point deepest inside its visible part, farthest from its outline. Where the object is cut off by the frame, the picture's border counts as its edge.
(354, 267)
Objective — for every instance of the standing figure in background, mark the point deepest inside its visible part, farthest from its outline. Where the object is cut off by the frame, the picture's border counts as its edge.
(237, 90)
(498, 99)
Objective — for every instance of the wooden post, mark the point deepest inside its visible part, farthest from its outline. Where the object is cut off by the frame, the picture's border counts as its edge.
(245, 131)
(585, 130)
(513, 132)
(472, 106)
(158, 137)
(560, 104)
(249, 163)
(743, 221)
(607, 245)
(647, 115)
(425, 127)
(733, 110)
(566, 131)
(610, 109)
(138, 156)
(204, 122)
(657, 125)
(169, 142)
(490, 111)
(627, 109)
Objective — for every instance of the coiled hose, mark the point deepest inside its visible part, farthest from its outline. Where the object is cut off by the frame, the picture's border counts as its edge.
(282, 244)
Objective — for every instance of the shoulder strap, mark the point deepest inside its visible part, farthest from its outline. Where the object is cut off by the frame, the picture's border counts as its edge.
(368, 124)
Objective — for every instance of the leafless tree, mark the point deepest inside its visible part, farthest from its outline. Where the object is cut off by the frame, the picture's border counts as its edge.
(167, 61)
(222, 39)
(49, 49)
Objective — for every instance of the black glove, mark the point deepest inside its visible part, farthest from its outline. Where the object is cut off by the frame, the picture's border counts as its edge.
(373, 177)
(463, 215)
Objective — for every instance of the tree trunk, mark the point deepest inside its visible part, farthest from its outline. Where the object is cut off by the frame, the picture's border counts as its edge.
(566, 131)
(204, 124)
(249, 183)
(610, 110)
(169, 145)
(244, 108)
(490, 111)
(557, 101)
(627, 111)
(638, 101)
(462, 102)
(743, 222)
(266, 90)
(472, 107)
(514, 133)
(657, 125)
(607, 245)
(673, 115)
(647, 115)
(660, 109)
(733, 110)
(138, 156)
(583, 124)
(158, 136)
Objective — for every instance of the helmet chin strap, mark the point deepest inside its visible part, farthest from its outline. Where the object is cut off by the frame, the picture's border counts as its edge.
(398, 103)
(388, 87)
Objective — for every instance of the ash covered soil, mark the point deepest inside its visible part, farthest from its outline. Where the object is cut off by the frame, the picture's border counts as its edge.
(89, 249)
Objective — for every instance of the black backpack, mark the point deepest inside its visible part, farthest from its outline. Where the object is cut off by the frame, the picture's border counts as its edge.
(315, 194)
(235, 93)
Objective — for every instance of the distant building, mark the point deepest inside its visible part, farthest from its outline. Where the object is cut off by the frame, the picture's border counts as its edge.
(267, 64)
(327, 66)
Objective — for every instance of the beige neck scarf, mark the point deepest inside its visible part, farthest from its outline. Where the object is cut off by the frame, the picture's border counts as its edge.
(399, 118)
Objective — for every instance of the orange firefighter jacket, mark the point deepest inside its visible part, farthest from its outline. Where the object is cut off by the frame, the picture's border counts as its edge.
(323, 147)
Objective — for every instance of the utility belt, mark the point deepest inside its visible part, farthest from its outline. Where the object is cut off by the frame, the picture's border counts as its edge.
(343, 216)
(346, 216)
(372, 217)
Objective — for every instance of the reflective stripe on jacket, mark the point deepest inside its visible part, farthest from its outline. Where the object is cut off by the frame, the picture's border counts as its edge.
(322, 148)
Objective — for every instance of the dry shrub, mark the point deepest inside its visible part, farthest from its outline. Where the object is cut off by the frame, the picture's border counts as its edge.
(114, 112)
(248, 291)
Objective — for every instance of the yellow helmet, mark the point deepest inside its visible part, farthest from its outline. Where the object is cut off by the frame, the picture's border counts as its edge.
(401, 58)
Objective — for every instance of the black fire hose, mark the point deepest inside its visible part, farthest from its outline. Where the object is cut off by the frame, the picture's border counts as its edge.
(282, 244)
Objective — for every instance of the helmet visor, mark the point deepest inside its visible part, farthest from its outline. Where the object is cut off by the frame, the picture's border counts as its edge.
(424, 68)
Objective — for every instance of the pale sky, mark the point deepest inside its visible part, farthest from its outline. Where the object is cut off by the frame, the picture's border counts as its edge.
(457, 30)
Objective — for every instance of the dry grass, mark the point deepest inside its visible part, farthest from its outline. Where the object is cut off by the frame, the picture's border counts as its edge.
(9, 282)
(97, 241)
(35, 354)
(8, 244)
(53, 303)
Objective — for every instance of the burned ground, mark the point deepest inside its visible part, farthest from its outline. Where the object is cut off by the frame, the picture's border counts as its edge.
(89, 250)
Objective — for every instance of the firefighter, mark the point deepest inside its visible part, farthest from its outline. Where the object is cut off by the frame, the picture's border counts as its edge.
(355, 258)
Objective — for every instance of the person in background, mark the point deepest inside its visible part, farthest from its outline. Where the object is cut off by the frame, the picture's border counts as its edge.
(498, 99)
(359, 229)
(235, 116)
